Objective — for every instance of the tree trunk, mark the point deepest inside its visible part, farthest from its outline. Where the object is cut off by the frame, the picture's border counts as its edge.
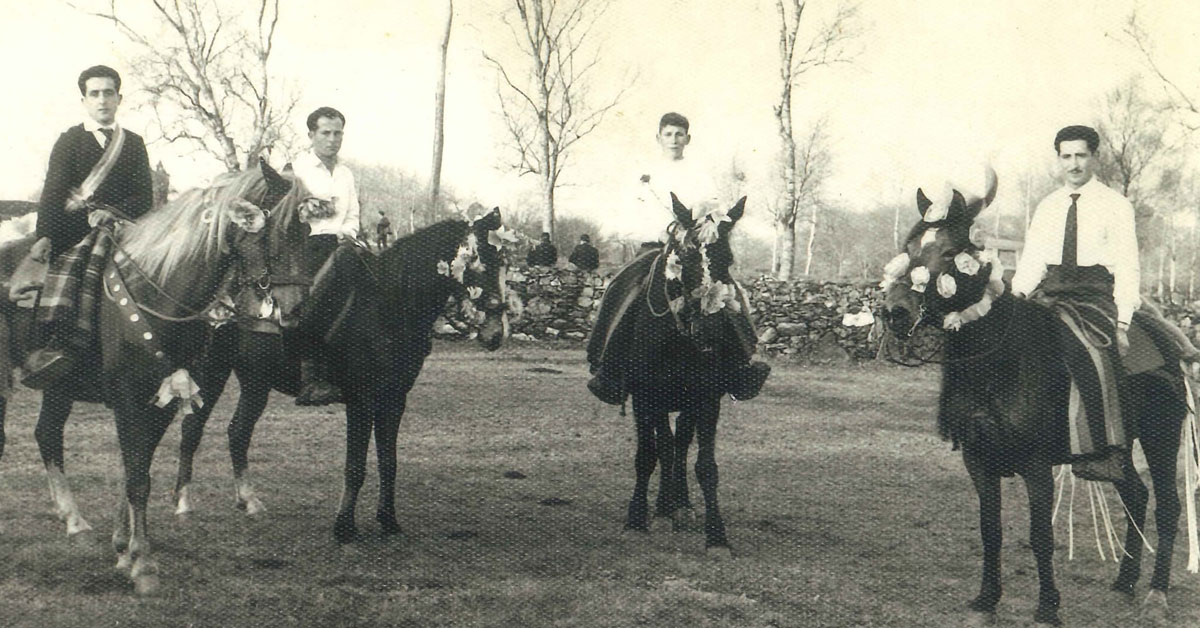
(896, 228)
(812, 237)
(785, 235)
(439, 114)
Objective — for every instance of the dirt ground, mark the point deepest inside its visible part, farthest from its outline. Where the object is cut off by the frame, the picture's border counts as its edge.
(843, 508)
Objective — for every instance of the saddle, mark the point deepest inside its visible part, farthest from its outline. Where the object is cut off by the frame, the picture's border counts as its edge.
(1155, 342)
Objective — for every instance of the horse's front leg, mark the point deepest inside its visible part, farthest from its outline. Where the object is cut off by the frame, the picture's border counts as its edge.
(1039, 484)
(213, 375)
(251, 403)
(52, 418)
(387, 426)
(139, 433)
(358, 437)
(707, 413)
(987, 487)
(644, 461)
(3, 413)
(1161, 446)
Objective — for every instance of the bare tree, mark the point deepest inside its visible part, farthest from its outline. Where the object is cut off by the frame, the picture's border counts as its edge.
(828, 45)
(549, 105)
(212, 66)
(1184, 103)
(439, 113)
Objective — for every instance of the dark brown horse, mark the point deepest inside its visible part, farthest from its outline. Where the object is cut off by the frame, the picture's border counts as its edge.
(681, 348)
(385, 307)
(1004, 399)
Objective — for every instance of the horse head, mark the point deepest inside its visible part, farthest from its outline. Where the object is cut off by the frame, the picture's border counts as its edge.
(942, 277)
(479, 267)
(697, 284)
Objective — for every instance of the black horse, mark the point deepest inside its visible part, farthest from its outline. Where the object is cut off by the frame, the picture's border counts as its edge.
(680, 350)
(382, 310)
(1004, 398)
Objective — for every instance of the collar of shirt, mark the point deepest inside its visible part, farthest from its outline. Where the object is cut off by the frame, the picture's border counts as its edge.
(309, 159)
(93, 127)
(1089, 189)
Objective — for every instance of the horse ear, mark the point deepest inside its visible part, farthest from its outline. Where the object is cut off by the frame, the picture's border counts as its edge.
(958, 208)
(490, 221)
(923, 201)
(739, 208)
(682, 214)
(276, 184)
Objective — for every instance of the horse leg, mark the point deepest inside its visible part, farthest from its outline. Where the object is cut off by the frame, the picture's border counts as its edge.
(3, 413)
(643, 463)
(213, 377)
(707, 413)
(387, 425)
(122, 524)
(52, 418)
(1161, 446)
(251, 403)
(680, 501)
(1039, 484)
(1135, 496)
(358, 438)
(138, 434)
(987, 487)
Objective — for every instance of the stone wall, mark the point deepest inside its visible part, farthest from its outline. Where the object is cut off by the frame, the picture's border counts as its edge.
(798, 319)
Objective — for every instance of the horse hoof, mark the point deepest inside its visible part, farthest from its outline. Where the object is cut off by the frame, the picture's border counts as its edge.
(77, 525)
(636, 527)
(1123, 592)
(980, 618)
(146, 585)
(718, 552)
(388, 525)
(344, 534)
(123, 562)
(1154, 607)
(1048, 617)
(662, 524)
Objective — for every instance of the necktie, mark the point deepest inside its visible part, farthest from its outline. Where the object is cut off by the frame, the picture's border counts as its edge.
(107, 136)
(1071, 234)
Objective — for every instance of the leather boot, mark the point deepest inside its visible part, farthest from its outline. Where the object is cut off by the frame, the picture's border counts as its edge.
(606, 389)
(315, 390)
(47, 365)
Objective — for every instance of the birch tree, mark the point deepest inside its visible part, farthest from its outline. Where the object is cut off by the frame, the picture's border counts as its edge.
(439, 113)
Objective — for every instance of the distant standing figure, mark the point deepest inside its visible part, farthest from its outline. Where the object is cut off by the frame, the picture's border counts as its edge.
(383, 230)
(585, 256)
(544, 254)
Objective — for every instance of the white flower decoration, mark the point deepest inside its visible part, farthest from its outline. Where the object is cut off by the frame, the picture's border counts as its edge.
(975, 235)
(715, 296)
(952, 321)
(895, 268)
(946, 285)
(966, 264)
(443, 268)
(501, 237)
(673, 268)
(474, 292)
(676, 304)
(919, 277)
(708, 231)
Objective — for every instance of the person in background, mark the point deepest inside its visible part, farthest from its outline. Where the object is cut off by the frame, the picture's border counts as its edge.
(585, 256)
(383, 230)
(544, 254)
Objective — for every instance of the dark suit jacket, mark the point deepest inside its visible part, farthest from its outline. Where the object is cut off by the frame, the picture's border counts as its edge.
(543, 254)
(585, 257)
(127, 187)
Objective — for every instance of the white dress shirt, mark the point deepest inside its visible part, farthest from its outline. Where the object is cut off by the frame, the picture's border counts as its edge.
(1105, 237)
(691, 181)
(93, 127)
(337, 187)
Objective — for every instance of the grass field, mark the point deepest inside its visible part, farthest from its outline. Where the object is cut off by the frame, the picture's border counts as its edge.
(843, 508)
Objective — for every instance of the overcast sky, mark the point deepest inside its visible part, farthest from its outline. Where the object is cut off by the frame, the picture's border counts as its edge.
(940, 87)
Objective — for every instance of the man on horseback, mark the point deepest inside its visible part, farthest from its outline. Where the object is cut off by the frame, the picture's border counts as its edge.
(98, 172)
(332, 182)
(1081, 257)
(690, 182)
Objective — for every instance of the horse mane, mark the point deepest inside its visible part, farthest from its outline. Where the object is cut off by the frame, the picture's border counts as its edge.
(195, 223)
(426, 245)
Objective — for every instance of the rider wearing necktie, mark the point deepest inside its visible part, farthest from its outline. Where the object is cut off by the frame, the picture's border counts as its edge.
(1081, 258)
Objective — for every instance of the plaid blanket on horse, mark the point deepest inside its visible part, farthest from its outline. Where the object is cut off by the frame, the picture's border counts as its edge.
(73, 287)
